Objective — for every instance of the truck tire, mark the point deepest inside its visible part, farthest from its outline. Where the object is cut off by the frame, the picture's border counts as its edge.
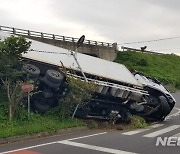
(32, 70)
(164, 106)
(82, 113)
(54, 76)
(51, 84)
(126, 116)
(40, 105)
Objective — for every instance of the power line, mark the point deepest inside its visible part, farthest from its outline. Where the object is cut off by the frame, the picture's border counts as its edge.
(43, 51)
(69, 54)
(166, 49)
(148, 41)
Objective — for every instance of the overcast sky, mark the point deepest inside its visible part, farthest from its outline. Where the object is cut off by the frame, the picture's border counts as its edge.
(111, 21)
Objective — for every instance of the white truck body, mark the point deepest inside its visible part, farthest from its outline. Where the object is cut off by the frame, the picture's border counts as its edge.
(89, 64)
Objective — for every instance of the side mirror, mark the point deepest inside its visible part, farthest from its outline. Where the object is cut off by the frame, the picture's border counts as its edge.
(80, 41)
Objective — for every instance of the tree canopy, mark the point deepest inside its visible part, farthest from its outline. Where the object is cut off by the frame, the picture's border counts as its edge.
(10, 70)
(10, 53)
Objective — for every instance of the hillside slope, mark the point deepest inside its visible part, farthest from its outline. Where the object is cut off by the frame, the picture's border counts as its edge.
(165, 67)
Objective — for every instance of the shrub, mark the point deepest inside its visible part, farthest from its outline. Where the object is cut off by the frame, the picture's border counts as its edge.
(79, 93)
(137, 122)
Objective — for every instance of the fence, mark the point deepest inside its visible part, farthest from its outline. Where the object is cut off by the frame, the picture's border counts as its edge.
(139, 50)
(24, 32)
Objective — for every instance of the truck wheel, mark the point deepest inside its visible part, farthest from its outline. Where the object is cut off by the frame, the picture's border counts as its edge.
(40, 105)
(82, 113)
(54, 76)
(164, 106)
(32, 70)
(50, 83)
(126, 117)
(123, 116)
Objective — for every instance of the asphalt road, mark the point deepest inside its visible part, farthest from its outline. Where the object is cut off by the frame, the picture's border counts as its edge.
(142, 141)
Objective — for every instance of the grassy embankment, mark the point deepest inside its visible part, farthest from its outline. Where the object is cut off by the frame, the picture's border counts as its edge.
(35, 123)
(165, 68)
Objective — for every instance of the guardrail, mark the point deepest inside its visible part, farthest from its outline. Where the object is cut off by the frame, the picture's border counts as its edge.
(24, 32)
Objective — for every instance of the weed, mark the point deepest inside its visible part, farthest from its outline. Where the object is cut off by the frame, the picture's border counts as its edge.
(136, 122)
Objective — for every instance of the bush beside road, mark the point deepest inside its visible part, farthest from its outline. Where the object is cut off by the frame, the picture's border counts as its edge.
(22, 124)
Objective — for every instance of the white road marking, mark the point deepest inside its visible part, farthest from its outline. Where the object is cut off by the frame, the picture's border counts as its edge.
(175, 114)
(31, 147)
(167, 118)
(177, 135)
(40, 145)
(97, 148)
(142, 130)
(86, 136)
(162, 131)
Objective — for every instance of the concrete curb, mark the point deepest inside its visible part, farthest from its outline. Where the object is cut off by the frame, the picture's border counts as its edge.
(43, 134)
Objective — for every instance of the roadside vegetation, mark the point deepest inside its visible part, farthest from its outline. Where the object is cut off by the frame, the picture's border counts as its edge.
(79, 93)
(165, 68)
(14, 119)
(24, 124)
(10, 72)
(136, 122)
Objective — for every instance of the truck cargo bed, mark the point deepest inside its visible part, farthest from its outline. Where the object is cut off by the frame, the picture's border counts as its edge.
(89, 64)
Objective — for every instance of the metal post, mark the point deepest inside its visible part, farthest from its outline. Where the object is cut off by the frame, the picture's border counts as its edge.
(29, 34)
(53, 37)
(14, 30)
(74, 55)
(42, 35)
(75, 110)
(28, 104)
(64, 39)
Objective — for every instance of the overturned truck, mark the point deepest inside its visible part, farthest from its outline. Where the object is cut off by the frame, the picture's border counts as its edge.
(119, 93)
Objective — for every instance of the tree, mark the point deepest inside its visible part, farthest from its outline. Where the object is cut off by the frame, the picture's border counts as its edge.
(10, 69)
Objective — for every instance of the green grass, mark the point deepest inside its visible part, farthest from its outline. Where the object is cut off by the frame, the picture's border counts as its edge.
(35, 123)
(136, 123)
(165, 67)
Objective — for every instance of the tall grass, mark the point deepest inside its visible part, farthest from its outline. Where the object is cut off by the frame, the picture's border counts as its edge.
(165, 67)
